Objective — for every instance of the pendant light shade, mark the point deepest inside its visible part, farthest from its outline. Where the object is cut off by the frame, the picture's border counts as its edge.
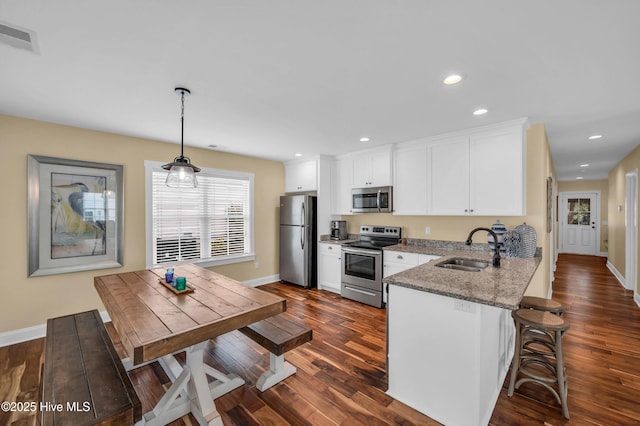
(182, 174)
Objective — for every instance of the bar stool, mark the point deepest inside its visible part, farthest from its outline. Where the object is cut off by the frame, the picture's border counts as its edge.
(542, 304)
(538, 356)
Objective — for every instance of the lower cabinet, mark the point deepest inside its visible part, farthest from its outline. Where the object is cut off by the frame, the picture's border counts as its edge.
(399, 261)
(329, 274)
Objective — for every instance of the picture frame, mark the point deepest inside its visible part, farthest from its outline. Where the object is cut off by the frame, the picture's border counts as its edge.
(75, 215)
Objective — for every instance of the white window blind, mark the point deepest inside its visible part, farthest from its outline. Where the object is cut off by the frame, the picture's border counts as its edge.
(212, 221)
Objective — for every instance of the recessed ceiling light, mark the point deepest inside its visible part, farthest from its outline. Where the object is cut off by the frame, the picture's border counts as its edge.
(298, 154)
(452, 79)
(364, 139)
(584, 165)
(480, 111)
(579, 178)
(592, 137)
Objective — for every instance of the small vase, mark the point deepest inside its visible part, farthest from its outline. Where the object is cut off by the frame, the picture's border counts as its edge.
(511, 241)
(499, 229)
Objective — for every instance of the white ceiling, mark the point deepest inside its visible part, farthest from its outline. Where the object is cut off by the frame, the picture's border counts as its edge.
(272, 78)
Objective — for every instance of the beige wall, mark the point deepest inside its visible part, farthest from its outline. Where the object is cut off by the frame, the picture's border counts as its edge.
(593, 185)
(617, 188)
(30, 301)
(456, 228)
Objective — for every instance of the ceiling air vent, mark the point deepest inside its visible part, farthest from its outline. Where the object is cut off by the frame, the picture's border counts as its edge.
(20, 38)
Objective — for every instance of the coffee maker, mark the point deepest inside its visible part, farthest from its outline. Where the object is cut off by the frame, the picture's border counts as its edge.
(339, 230)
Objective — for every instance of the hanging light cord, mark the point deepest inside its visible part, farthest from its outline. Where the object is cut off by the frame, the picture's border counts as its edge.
(182, 130)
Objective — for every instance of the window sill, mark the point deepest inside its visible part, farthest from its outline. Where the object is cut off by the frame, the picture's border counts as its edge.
(219, 261)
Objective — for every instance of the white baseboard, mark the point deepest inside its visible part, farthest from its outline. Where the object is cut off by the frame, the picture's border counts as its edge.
(29, 333)
(37, 331)
(262, 280)
(617, 274)
(636, 297)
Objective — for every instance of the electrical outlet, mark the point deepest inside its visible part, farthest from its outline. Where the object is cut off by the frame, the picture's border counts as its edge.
(427, 230)
(256, 264)
(464, 305)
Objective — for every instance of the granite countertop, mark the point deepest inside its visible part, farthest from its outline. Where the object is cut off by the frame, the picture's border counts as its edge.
(327, 240)
(502, 287)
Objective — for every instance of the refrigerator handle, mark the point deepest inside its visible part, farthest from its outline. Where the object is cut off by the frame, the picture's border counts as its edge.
(303, 230)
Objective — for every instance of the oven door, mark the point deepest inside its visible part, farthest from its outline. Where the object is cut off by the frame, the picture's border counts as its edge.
(362, 268)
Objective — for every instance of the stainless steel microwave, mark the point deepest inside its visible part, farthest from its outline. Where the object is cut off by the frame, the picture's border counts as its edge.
(372, 200)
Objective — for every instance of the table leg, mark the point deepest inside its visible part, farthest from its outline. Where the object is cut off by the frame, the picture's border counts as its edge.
(191, 392)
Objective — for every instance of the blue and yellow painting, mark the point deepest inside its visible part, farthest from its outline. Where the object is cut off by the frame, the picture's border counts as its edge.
(79, 213)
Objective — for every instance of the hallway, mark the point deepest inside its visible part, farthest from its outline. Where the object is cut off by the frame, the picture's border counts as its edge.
(602, 350)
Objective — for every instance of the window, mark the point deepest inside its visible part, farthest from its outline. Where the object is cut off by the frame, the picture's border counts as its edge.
(209, 225)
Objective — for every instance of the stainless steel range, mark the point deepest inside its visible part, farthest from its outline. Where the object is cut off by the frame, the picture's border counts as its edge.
(362, 263)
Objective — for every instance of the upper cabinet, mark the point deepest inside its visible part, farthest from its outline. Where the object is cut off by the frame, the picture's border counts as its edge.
(301, 176)
(481, 173)
(372, 168)
(341, 181)
(410, 180)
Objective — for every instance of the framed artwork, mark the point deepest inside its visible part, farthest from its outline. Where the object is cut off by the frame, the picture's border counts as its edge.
(75, 215)
(549, 204)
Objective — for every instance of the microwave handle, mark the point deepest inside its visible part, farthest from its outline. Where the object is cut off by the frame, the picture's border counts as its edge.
(378, 202)
(302, 226)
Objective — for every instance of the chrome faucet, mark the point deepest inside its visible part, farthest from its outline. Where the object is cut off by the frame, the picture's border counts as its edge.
(496, 255)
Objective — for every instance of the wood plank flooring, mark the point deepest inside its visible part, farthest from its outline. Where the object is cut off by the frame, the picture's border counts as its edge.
(341, 373)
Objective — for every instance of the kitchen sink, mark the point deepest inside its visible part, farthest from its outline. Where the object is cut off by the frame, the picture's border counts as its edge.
(462, 264)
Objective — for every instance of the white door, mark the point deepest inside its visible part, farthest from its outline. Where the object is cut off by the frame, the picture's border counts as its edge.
(579, 222)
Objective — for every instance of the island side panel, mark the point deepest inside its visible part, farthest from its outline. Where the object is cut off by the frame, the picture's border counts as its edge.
(446, 356)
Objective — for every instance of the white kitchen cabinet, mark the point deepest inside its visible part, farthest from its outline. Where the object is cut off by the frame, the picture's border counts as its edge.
(329, 273)
(399, 261)
(341, 183)
(447, 358)
(480, 173)
(410, 180)
(497, 173)
(372, 168)
(301, 176)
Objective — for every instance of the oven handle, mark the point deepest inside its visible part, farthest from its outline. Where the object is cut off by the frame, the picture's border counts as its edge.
(361, 251)
(357, 290)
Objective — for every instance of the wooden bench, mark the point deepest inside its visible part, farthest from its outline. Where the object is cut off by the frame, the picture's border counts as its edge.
(84, 381)
(278, 335)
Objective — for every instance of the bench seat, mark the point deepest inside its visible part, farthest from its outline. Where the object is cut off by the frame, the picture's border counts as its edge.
(83, 377)
(278, 334)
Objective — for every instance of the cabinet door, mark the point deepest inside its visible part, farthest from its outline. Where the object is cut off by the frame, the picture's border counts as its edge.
(372, 169)
(361, 171)
(410, 181)
(341, 184)
(496, 185)
(380, 168)
(301, 177)
(329, 267)
(448, 176)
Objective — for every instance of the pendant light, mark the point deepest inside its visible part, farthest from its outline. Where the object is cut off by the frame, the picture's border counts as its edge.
(182, 174)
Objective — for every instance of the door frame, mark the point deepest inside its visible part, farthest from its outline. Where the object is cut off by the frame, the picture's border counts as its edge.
(563, 214)
(631, 232)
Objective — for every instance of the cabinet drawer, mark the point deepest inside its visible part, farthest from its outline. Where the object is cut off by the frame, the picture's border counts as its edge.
(330, 249)
(409, 259)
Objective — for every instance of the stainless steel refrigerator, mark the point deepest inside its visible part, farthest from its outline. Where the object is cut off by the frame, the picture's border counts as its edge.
(298, 240)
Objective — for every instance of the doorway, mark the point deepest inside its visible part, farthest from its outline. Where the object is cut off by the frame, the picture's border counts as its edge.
(579, 230)
(631, 234)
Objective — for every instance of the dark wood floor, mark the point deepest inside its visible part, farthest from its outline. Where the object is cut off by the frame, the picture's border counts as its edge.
(341, 374)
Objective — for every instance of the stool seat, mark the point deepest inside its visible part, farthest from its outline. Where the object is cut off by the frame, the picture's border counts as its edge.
(542, 304)
(541, 320)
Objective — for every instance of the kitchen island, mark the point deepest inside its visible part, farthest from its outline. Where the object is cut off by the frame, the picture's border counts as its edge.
(450, 334)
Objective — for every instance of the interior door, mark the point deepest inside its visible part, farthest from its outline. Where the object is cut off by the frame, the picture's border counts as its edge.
(580, 222)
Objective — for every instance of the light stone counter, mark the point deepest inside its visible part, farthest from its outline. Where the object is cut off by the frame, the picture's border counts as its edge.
(501, 287)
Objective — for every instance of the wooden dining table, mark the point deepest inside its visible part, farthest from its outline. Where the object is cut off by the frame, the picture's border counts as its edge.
(154, 323)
